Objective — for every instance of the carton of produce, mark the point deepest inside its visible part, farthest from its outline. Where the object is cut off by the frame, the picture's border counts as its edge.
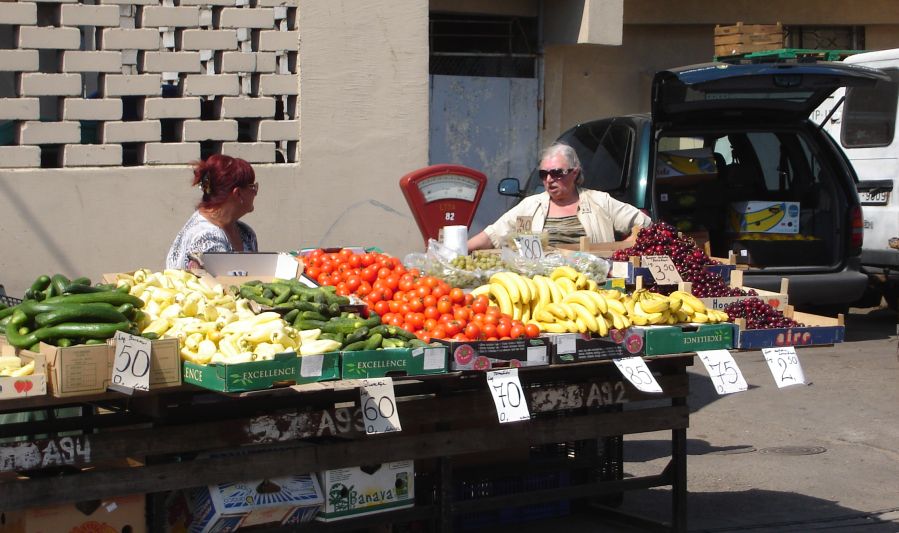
(165, 362)
(777, 300)
(802, 329)
(579, 347)
(81, 370)
(359, 491)
(120, 513)
(679, 338)
(393, 362)
(488, 355)
(282, 370)
(22, 375)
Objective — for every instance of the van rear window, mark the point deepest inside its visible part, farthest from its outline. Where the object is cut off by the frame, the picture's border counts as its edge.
(869, 118)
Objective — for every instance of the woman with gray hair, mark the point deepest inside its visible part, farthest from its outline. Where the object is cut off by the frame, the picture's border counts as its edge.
(565, 211)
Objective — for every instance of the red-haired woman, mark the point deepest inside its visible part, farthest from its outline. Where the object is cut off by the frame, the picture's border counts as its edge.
(229, 189)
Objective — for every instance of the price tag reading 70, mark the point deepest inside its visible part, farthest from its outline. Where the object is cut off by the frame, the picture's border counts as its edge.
(131, 365)
(379, 406)
(511, 404)
(662, 269)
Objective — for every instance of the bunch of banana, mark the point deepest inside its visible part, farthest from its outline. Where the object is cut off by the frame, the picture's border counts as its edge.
(650, 308)
(693, 310)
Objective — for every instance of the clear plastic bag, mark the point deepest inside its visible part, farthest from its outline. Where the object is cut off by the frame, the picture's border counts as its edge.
(595, 268)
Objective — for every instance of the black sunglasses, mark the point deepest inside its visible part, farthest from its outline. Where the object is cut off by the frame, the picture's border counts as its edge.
(557, 173)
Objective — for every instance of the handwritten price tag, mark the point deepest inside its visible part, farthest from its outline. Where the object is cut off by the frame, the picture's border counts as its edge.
(530, 247)
(634, 369)
(131, 365)
(784, 366)
(723, 371)
(379, 406)
(662, 269)
(511, 405)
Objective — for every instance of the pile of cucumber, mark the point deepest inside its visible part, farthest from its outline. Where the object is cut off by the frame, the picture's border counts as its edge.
(66, 312)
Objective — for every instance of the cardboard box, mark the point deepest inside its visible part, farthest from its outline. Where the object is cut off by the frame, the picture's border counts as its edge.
(631, 270)
(686, 167)
(34, 384)
(284, 369)
(119, 514)
(680, 338)
(777, 300)
(230, 506)
(578, 348)
(165, 363)
(81, 370)
(488, 355)
(393, 362)
(315, 368)
(763, 217)
(237, 267)
(817, 331)
(360, 491)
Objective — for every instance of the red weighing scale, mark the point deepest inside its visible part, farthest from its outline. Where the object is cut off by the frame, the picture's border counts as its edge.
(443, 195)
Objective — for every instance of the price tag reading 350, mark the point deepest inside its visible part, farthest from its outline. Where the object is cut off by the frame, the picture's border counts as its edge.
(530, 247)
(634, 369)
(784, 365)
(723, 371)
(379, 406)
(662, 269)
(131, 367)
(511, 404)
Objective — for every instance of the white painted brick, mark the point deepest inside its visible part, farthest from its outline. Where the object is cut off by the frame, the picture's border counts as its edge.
(226, 3)
(78, 61)
(164, 16)
(236, 17)
(37, 84)
(81, 15)
(170, 153)
(278, 130)
(277, 84)
(131, 2)
(171, 108)
(277, 3)
(216, 84)
(42, 37)
(129, 59)
(132, 85)
(131, 132)
(209, 130)
(209, 40)
(242, 107)
(274, 41)
(91, 155)
(172, 62)
(92, 109)
(19, 60)
(20, 109)
(22, 13)
(252, 152)
(128, 39)
(248, 62)
(20, 157)
(35, 132)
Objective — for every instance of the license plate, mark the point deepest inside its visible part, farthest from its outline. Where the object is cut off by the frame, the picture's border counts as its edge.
(879, 198)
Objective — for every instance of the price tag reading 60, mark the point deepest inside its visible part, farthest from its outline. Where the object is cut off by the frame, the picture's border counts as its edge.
(379, 406)
(131, 367)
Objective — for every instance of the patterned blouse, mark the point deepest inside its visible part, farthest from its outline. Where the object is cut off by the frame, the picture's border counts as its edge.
(564, 230)
(199, 235)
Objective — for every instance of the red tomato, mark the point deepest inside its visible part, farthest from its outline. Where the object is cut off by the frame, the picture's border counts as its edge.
(460, 337)
(312, 272)
(516, 331)
(352, 282)
(382, 307)
(369, 274)
(457, 295)
(462, 313)
(503, 329)
(480, 303)
(423, 336)
(452, 327)
(432, 312)
(438, 332)
(444, 305)
(488, 330)
(472, 331)
(532, 330)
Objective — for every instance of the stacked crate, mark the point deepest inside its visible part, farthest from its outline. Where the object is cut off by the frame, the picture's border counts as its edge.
(746, 38)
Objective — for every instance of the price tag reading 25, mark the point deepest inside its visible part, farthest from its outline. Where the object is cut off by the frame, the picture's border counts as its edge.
(530, 247)
(511, 403)
(662, 269)
(131, 366)
(379, 406)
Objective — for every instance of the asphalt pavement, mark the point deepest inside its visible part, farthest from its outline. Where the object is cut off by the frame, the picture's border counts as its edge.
(823, 456)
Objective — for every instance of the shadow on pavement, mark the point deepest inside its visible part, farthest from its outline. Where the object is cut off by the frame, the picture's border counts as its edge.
(870, 324)
(642, 451)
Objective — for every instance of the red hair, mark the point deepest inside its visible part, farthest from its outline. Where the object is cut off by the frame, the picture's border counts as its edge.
(218, 175)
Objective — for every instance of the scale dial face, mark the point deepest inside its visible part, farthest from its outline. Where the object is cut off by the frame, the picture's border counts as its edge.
(448, 186)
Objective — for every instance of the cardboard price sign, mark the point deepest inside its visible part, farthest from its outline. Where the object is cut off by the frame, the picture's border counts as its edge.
(784, 366)
(723, 371)
(634, 369)
(530, 247)
(131, 364)
(508, 396)
(662, 269)
(378, 404)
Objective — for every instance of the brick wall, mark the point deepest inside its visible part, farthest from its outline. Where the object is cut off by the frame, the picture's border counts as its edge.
(148, 82)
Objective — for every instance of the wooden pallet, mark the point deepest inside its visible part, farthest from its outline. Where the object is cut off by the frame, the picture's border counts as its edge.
(744, 38)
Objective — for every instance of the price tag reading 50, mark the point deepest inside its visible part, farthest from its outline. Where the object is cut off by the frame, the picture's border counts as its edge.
(379, 406)
(662, 269)
(131, 367)
(511, 404)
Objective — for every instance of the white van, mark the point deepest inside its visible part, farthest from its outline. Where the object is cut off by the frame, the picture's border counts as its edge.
(865, 127)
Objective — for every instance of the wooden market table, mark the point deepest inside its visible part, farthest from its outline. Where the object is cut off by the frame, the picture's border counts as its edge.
(310, 428)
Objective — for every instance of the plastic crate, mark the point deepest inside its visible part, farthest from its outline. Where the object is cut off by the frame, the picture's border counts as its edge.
(501, 486)
(8, 301)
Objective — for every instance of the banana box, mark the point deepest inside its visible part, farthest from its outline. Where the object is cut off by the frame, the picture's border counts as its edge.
(490, 355)
(763, 217)
(679, 338)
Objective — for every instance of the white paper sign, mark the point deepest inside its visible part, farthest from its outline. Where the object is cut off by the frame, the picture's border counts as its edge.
(378, 405)
(784, 365)
(662, 269)
(530, 247)
(508, 396)
(131, 365)
(311, 365)
(723, 371)
(634, 369)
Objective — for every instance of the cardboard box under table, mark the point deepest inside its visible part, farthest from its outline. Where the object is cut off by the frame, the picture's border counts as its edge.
(815, 331)
(285, 369)
(358, 491)
(122, 513)
(393, 362)
(485, 355)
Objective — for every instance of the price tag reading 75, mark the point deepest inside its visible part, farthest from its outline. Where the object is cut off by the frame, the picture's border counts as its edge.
(662, 269)
(379, 406)
(131, 365)
(511, 404)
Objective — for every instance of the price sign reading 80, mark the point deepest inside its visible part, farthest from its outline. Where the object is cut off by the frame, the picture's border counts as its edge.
(662, 269)
(379, 406)
(131, 367)
(510, 401)
(723, 371)
(784, 366)
(530, 247)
